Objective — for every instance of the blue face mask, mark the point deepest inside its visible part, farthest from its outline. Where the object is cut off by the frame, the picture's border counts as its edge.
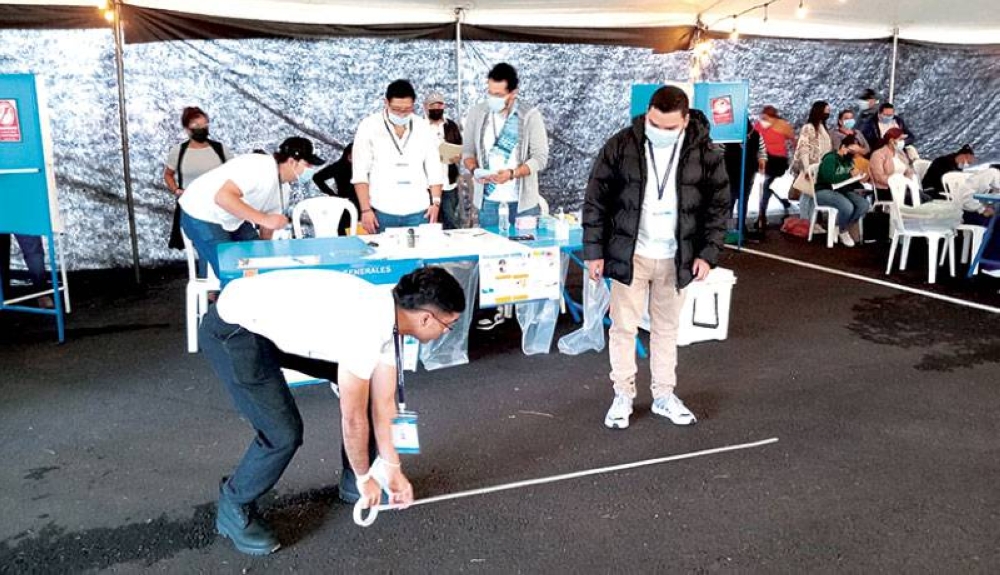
(885, 119)
(496, 103)
(399, 121)
(662, 138)
(307, 175)
(849, 124)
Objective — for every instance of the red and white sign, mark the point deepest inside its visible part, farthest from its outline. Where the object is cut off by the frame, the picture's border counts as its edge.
(722, 110)
(10, 123)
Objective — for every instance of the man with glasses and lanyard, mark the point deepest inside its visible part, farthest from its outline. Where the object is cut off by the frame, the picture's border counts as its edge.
(396, 161)
(326, 317)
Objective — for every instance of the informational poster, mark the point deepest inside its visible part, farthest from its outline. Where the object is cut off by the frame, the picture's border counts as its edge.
(519, 277)
(10, 121)
(722, 110)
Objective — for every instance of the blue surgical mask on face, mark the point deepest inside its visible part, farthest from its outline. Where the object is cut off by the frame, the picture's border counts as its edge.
(399, 120)
(307, 175)
(496, 103)
(661, 138)
(849, 123)
(885, 119)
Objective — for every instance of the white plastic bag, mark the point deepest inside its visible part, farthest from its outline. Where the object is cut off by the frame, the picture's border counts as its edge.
(596, 301)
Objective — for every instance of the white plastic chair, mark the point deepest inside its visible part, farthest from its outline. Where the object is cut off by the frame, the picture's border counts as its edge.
(897, 185)
(920, 168)
(196, 294)
(325, 214)
(972, 235)
(830, 211)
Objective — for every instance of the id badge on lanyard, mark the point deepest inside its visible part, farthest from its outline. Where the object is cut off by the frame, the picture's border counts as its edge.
(404, 426)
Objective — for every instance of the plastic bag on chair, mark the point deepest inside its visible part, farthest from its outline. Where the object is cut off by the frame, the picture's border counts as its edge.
(590, 337)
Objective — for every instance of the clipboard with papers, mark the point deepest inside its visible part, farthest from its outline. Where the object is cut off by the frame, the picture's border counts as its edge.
(448, 151)
(848, 182)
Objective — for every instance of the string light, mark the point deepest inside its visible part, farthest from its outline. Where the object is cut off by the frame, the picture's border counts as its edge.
(735, 34)
(109, 15)
(802, 10)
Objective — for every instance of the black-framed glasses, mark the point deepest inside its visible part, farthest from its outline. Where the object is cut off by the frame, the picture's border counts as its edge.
(447, 326)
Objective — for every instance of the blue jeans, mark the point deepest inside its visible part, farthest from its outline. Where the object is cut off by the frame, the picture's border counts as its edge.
(450, 218)
(386, 221)
(851, 206)
(249, 367)
(207, 236)
(489, 214)
(34, 259)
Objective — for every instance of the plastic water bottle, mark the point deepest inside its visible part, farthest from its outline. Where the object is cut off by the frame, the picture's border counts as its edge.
(503, 212)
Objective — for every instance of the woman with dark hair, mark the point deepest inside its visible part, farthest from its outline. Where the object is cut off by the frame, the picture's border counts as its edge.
(777, 135)
(833, 189)
(814, 143)
(189, 160)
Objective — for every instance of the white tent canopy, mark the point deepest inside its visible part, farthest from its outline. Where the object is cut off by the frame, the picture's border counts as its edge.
(968, 22)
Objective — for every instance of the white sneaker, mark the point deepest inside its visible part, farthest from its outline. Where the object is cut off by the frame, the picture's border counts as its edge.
(846, 239)
(673, 409)
(621, 409)
(487, 324)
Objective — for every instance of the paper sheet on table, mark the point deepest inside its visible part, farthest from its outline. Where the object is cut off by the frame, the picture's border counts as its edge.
(277, 262)
(473, 242)
(449, 151)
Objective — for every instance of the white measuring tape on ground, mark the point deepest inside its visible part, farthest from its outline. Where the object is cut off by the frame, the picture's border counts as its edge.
(365, 521)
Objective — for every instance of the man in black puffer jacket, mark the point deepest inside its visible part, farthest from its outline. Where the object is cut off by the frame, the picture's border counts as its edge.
(654, 219)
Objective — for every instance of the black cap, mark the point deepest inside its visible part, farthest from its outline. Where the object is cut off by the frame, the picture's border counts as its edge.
(967, 149)
(300, 149)
(868, 94)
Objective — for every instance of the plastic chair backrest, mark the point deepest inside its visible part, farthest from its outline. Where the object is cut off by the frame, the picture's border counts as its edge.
(920, 168)
(192, 256)
(325, 214)
(811, 171)
(952, 181)
(897, 186)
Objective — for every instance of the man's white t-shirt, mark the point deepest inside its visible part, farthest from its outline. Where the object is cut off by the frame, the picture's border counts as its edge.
(657, 237)
(321, 314)
(256, 175)
(398, 170)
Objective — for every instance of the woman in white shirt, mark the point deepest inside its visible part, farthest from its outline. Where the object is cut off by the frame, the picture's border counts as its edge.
(224, 204)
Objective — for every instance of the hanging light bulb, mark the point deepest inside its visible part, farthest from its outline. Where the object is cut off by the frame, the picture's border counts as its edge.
(109, 15)
(102, 4)
(802, 10)
(735, 34)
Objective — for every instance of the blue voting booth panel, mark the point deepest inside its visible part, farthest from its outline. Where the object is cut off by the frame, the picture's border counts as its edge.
(726, 104)
(24, 181)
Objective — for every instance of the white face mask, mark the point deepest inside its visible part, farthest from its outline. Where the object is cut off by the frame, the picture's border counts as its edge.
(900, 144)
(399, 120)
(661, 138)
(765, 124)
(496, 103)
(963, 165)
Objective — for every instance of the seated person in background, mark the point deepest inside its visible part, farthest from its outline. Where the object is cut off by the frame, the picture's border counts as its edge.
(875, 128)
(340, 172)
(835, 168)
(846, 127)
(224, 204)
(958, 161)
(890, 159)
(976, 213)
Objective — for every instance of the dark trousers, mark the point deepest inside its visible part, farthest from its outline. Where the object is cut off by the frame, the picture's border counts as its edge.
(776, 167)
(328, 371)
(34, 258)
(249, 367)
(449, 218)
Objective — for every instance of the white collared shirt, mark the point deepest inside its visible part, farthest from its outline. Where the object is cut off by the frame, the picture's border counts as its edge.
(657, 238)
(398, 170)
(322, 314)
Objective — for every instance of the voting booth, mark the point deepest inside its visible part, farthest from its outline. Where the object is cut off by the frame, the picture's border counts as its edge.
(28, 202)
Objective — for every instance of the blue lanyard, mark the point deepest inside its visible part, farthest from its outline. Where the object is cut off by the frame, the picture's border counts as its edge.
(662, 183)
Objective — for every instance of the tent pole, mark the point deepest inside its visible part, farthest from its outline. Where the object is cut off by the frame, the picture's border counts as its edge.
(119, 34)
(892, 73)
(459, 13)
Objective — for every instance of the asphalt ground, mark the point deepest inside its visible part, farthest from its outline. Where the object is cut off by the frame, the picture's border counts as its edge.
(884, 403)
